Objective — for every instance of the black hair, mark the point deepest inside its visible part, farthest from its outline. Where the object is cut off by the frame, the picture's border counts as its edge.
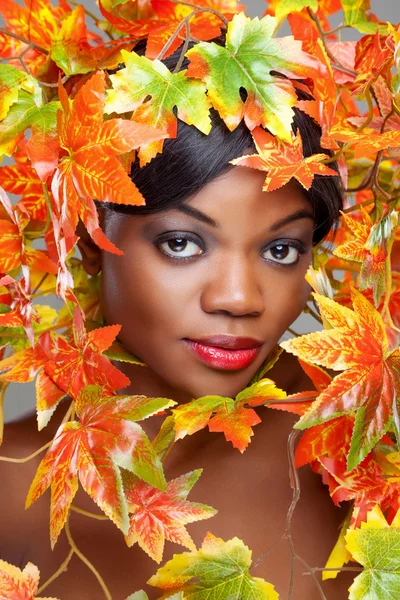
(193, 159)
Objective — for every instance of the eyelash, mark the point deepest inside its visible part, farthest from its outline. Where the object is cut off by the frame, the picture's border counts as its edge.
(194, 239)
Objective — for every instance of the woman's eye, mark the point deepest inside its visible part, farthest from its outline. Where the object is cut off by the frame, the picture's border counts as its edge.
(180, 247)
(283, 253)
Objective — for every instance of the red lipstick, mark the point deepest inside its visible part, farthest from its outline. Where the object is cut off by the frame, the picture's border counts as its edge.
(225, 352)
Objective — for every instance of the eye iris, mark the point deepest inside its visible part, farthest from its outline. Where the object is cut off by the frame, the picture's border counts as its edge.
(280, 251)
(177, 244)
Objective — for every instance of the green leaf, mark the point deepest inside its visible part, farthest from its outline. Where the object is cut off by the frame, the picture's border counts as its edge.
(138, 596)
(218, 570)
(118, 352)
(355, 15)
(246, 62)
(284, 7)
(10, 78)
(143, 78)
(376, 546)
(23, 115)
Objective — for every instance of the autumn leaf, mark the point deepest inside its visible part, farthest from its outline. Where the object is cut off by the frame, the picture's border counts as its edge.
(219, 570)
(105, 438)
(367, 142)
(73, 364)
(339, 555)
(159, 21)
(356, 344)
(148, 88)
(17, 584)
(284, 7)
(10, 78)
(226, 70)
(21, 179)
(90, 168)
(15, 249)
(376, 546)
(158, 515)
(355, 15)
(233, 417)
(282, 161)
(21, 311)
(369, 247)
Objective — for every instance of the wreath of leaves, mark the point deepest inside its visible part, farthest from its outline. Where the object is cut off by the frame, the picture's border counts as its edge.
(68, 125)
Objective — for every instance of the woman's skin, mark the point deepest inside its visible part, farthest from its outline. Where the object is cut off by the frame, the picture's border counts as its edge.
(235, 283)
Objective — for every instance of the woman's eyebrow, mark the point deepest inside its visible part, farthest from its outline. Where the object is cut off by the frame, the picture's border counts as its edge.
(303, 213)
(197, 214)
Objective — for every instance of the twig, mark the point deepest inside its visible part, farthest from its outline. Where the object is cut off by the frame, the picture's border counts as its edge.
(293, 332)
(357, 206)
(81, 511)
(62, 568)
(318, 569)
(171, 40)
(202, 9)
(25, 41)
(86, 561)
(321, 32)
(42, 280)
(308, 309)
(26, 458)
(184, 49)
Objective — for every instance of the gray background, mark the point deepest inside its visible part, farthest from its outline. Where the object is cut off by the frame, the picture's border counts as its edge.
(20, 398)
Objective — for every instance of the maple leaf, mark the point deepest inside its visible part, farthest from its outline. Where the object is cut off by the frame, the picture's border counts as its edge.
(233, 417)
(159, 21)
(15, 250)
(72, 365)
(355, 15)
(21, 311)
(17, 584)
(282, 161)
(90, 168)
(10, 78)
(158, 515)
(369, 247)
(22, 179)
(228, 69)
(282, 8)
(356, 343)
(105, 438)
(219, 570)
(143, 78)
(368, 141)
(376, 546)
(339, 555)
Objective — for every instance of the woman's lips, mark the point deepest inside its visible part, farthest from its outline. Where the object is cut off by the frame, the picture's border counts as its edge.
(230, 354)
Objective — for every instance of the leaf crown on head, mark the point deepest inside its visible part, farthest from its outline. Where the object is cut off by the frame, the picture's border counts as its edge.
(77, 106)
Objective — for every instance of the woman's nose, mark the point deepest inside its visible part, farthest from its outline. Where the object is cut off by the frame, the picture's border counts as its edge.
(234, 287)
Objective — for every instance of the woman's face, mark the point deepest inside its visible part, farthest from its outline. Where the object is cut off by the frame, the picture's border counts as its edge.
(229, 262)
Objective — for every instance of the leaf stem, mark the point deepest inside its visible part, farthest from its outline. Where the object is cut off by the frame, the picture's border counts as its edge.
(81, 511)
(86, 561)
(25, 41)
(63, 567)
(308, 309)
(202, 9)
(321, 32)
(26, 458)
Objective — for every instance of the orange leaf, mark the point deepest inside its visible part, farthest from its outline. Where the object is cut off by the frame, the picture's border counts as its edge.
(105, 439)
(158, 515)
(17, 584)
(282, 161)
(90, 168)
(370, 383)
